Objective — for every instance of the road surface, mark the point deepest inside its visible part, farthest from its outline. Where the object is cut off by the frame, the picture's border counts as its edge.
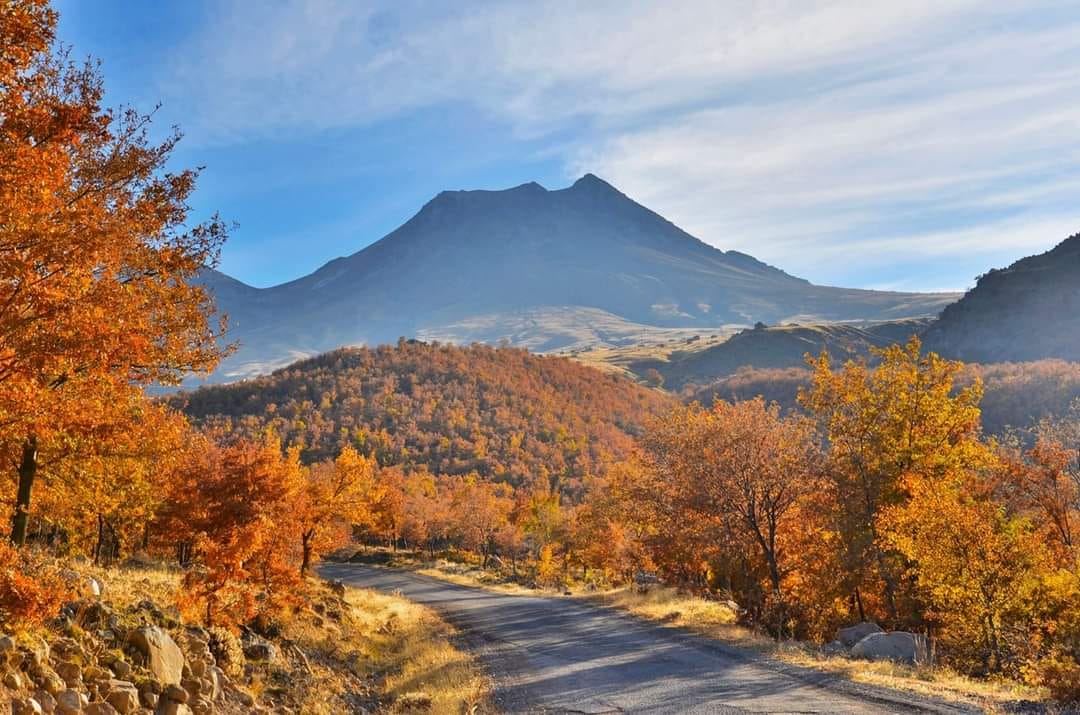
(558, 655)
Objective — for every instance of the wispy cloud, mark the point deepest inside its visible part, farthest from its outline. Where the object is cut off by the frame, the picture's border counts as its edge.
(825, 137)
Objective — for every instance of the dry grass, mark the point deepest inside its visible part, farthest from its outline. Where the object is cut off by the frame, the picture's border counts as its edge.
(410, 650)
(368, 652)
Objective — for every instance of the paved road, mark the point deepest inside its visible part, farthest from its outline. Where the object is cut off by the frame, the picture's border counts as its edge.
(556, 655)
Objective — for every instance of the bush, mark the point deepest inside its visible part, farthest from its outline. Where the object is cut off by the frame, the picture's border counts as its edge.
(1060, 673)
(31, 589)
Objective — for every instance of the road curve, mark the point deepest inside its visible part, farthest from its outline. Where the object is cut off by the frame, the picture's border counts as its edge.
(557, 655)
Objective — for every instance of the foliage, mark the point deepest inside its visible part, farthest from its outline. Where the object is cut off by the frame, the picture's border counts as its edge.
(31, 589)
(502, 413)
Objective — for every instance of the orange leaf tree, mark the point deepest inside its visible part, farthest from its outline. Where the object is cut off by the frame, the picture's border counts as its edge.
(96, 259)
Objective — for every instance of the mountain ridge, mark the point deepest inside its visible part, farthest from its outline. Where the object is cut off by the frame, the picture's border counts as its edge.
(504, 253)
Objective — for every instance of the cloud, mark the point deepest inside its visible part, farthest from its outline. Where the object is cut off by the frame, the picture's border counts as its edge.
(797, 131)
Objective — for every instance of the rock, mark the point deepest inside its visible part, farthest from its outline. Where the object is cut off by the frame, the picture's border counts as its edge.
(13, 680)
(898, 646)
(217, 679)
(92, 673)
(70, 673)
(167, 707)
(834, 648)
(70, 702)
(148, 699)
(163, 657)
(7, 648)
(193, 686)
(26, 706)
(99, 709)
(259, 649)
(853, 634)
(176, 694)
(51, 683)
(201, 707)
(123, 696)
(120, 668)
(46, 700)
(246, 699)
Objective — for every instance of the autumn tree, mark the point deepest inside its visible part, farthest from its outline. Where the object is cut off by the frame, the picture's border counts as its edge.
(333, 497)
(884, 423)
(482, 510)
(96, 260)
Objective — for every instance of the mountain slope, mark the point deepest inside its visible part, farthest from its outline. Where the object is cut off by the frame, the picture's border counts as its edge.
(501, 412)
(1028, 311)
(499, 255)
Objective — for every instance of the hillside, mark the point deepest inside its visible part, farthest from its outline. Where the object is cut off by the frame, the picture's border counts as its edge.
(703, 360)
(1028, 311)
(533, 267)
(501, 412)
(1015, 395)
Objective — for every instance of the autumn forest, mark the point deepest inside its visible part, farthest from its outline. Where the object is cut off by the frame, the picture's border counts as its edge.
(906, 489)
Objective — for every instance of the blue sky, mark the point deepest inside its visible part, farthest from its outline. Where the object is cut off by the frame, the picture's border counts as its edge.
(894, 145)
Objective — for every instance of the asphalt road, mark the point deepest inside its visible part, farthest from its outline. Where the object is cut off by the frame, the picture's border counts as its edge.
(558, 655)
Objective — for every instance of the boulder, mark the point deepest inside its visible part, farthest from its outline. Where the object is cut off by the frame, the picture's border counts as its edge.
(99, 709)
(7, 648)
(259, 649)
(163, 657)
(834, 648)
(899, 646)
(26, 706)
(70, 702)
(853, 634)
(168, 707)
(70, 672)
(46, 700)
(123, 696)
(176, 694)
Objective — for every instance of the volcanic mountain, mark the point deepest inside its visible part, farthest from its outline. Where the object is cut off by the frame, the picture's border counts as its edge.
(547, 270)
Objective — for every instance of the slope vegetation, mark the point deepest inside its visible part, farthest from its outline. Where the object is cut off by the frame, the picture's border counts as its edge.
(501, 412)
(1028, 311)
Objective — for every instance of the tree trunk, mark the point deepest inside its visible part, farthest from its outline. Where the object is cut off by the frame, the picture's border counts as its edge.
(305, 563)
(27, 472)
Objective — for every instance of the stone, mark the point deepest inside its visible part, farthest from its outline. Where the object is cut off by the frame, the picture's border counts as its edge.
(163, 657)
(7, 648)
(167, 707)
(853, 634)
(70, 673)
(46, 700)
(13, 680)
(51, 683)
(899, 646)
(123, 696)
(201, 707)
(26, 706)
(176, 694)
(834, 648)
(70, 702)
(193, 686)
(259, 649)
(217, 679)
(93, 673)
(148, 699)
(120, 668)
(246, 699)
(99, 709)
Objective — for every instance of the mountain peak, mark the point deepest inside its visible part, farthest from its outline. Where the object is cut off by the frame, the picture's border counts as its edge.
(592, 182)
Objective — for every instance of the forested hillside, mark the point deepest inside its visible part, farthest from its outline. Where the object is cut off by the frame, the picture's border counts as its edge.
(1028, 311)
(1015, 395)
(500, 412)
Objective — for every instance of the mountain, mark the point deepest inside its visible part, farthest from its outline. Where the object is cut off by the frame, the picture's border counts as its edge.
(1028, 311)
(531, 266)
(501, 412)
